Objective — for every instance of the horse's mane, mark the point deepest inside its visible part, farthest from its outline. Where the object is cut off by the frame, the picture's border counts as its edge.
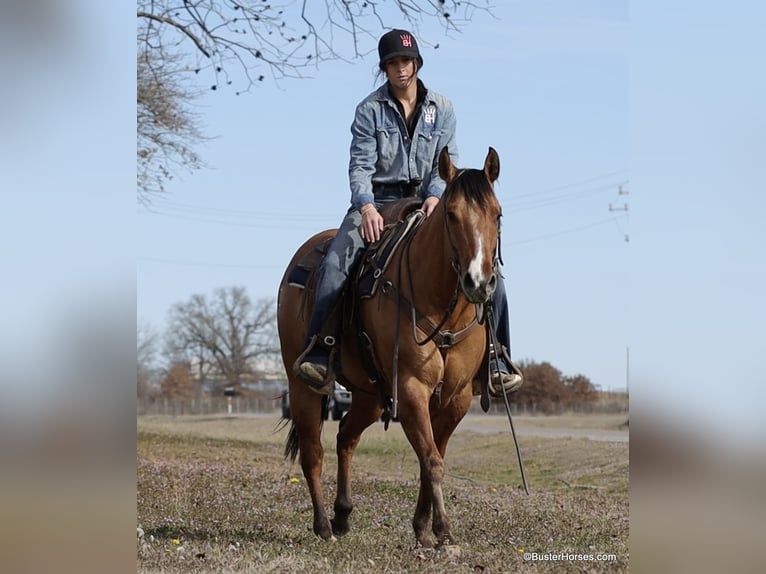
(473, 184)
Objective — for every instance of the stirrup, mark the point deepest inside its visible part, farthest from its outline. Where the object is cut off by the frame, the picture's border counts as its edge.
(319, 378)
(502, 382)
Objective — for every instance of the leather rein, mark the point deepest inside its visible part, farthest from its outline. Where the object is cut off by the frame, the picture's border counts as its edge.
(444, 339)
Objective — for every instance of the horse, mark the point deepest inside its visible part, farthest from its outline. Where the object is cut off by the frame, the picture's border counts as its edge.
(444, 274)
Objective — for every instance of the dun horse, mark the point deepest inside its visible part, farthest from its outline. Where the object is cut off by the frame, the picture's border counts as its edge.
(441, 276)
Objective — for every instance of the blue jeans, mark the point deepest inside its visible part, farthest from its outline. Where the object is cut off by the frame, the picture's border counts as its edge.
(344, 251)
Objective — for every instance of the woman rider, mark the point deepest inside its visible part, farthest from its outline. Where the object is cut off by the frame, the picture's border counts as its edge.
(397, 134)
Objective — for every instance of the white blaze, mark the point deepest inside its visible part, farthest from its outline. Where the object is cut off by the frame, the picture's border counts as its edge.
(474, 267)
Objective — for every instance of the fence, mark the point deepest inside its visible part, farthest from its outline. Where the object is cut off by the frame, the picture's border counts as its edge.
(207, 406)
(271, 405)
(497, 406)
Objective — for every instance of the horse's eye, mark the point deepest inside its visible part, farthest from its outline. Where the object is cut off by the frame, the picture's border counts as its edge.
(451, 217)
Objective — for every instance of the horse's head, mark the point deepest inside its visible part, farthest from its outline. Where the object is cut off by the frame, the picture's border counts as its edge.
(472, 218)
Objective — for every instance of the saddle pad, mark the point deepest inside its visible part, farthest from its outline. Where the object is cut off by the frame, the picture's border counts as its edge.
(300, 275)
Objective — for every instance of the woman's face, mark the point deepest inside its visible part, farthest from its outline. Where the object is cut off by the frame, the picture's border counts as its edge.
(401, 71)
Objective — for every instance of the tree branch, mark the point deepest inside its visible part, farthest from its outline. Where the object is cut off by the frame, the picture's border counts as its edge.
(173, 23)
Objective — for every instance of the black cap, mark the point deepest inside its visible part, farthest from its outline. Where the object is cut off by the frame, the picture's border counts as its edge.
(398, 43)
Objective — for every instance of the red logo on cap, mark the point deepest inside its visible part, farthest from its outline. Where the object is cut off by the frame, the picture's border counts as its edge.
(406, 40)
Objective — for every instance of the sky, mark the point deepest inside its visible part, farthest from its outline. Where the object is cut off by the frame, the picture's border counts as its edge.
(631, 139)
(628, 136)
(546, 85)
(579, 98)
(663, 98)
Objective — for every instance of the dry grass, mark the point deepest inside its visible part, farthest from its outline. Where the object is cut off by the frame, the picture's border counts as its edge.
(215, 495)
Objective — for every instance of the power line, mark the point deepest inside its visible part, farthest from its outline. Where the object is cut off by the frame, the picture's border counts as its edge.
(266, 220)
(218, 212)
(568, 185)
(548, 201)
(205, 264)
(563, 232)
(202, 214)
(260, 224)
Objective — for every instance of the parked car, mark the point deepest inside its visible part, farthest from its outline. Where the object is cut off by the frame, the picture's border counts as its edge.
(338, 405)
(340, 402)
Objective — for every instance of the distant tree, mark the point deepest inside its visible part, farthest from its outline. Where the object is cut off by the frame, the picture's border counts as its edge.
(581, 390)
(218, 43)
(178, 382)
(542, 388)
(146, 353)
(548, 391)
(227, 332)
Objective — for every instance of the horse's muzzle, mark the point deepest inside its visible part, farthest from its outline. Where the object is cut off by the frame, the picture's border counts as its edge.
(478, 293)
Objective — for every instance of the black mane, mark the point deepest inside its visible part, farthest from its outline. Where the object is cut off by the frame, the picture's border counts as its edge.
(473, 184)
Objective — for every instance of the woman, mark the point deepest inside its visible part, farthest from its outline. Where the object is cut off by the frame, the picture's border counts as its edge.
(397, 134)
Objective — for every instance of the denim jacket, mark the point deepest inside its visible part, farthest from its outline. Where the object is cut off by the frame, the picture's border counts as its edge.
(381, 150)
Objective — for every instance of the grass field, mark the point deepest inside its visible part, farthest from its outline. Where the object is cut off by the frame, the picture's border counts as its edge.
(215, 495)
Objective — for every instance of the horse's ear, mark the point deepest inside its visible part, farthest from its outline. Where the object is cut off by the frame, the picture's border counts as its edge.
(492, 165)
(447, 169)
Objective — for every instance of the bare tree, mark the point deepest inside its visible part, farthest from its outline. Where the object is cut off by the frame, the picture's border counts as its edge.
(237, 43)
(548, 390)
(167, 127)
(146, 353)
(226, 331)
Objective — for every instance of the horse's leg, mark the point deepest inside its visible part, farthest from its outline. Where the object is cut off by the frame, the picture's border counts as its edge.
(364, 411)
(305, 407)
(444, 421)
(421, 522)
(416, 423)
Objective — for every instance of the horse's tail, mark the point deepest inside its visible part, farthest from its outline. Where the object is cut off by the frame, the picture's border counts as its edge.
(291, 446)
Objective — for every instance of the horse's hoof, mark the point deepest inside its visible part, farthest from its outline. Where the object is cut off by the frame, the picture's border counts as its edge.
(324, 531)
(425, 542)
(339, 527)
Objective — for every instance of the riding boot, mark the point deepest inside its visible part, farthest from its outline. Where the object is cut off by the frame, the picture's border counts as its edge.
(313, 366)
(503, 373)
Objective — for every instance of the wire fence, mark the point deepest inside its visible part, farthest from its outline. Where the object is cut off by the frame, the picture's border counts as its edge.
(272, 405)
(208, 406)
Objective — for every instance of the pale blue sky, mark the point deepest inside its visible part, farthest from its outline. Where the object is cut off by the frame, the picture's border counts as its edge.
(578, 98)
(667, 97)
(670, 97)
(544, 84)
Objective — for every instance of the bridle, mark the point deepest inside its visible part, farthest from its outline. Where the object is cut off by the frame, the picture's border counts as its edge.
(446, 339)
(497, 258)
(455, 263)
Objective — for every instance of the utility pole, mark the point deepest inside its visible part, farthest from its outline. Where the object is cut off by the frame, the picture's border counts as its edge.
(624, 207)
(200, 368)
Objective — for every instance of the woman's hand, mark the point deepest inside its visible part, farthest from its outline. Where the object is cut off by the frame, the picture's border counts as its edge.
(430, 204)
(372, 223)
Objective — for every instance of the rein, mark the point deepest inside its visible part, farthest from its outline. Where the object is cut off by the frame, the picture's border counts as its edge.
(448, 335)
(444, 339)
